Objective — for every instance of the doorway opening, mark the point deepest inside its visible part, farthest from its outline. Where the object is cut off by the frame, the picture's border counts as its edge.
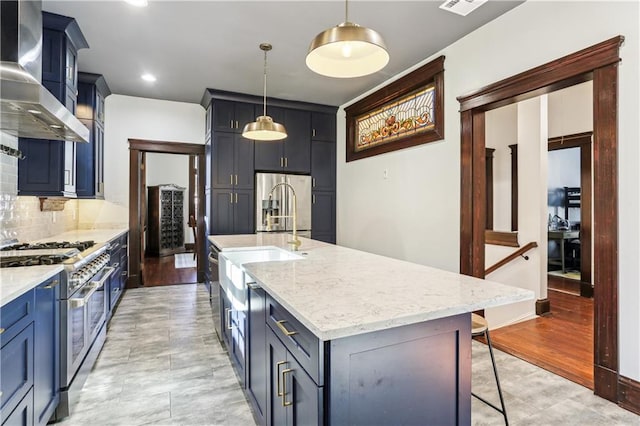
(166, 211)
(168, 189)
(598, 63)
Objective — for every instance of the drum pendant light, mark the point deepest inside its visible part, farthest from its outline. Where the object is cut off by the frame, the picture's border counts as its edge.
(264, 128)
(347, 50)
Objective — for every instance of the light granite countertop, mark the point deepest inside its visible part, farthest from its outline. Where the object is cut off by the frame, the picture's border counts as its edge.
(97, 235)
(277, 239)
(14, 282)
(338, 292)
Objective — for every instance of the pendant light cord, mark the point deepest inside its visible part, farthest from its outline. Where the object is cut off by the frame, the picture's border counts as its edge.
(264, 98)
(346, 10)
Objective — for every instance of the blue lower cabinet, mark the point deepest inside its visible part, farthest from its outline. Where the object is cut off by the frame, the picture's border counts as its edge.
(16, 370)
(46, 390)
(21, 415)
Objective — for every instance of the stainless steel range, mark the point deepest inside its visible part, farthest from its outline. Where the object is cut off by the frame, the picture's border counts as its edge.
(83, 305)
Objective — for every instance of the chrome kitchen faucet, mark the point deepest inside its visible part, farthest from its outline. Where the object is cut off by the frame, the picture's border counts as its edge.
(296, 242)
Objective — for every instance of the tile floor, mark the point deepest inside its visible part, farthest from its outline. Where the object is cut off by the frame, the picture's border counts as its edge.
(162, 365)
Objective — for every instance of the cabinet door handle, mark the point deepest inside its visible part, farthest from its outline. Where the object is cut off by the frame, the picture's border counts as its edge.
(281, 162)
(237, 126)
(285, 403)
(313, 182)
(236, 180)
(227, 313)
(286, 162)
(280, 393)
(286, 332)
(236, 198)
(52, 285)
(231, 197)
(231, 124)
(314, 198)
(313, 133)
(230, 179)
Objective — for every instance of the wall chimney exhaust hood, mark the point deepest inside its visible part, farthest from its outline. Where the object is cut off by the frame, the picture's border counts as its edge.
(27, 108)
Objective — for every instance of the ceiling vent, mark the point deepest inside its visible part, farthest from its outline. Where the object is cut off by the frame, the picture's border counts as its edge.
(462, 7)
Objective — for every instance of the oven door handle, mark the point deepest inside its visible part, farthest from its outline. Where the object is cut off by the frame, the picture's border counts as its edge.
(105, 273)
(79, 302)
(93, 286)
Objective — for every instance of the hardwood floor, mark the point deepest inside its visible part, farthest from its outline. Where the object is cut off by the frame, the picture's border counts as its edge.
(560, 342)
(162, 271)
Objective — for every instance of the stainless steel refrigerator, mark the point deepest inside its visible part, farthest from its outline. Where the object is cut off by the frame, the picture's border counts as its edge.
(281, 203)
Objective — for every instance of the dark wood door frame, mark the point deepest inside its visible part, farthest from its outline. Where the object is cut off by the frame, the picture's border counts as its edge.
(137, 148)
(584, 143)
(600, 64)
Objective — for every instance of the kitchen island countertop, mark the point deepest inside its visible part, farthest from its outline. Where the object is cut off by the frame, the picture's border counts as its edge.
(339, 292)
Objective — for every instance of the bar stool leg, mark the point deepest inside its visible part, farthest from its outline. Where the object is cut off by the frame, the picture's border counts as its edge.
(495, 373)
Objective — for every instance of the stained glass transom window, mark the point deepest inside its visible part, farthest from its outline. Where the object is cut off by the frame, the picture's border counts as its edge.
(410, 115)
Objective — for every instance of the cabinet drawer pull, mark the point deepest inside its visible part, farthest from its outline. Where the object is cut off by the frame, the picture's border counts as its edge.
(230, 179)
(281, 162)
(278, 375)
(231, 124)
(286, 332)
(52, 285)
(236, 198)
(231, 196)
(237, 126)
(227, 312)
(286, 162)
(285, 403)
(1, 330)
(213, 260)
(253, 286)
(236, 180)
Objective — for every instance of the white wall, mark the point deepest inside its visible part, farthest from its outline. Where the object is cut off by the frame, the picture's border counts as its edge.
(414, 213)
(501, 130)
(571, 110)
(171, 169)
(128, 117)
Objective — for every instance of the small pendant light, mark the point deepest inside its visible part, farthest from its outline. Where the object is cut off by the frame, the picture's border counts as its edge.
(347, 50)
(264, 128)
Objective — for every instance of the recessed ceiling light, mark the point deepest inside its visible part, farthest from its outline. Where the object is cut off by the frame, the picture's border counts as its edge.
(34, 111)
(137, 3)
(55, 126)
(148, 77)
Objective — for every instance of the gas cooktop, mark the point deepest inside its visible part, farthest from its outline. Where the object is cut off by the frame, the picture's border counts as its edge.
(80, 245)
(47, 253)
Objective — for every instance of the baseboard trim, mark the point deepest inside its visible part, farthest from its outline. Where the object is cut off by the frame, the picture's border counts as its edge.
(605, 383)
(543, 306)
(629, 394)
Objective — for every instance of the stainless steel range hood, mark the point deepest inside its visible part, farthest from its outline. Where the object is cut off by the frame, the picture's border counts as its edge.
(27, 108)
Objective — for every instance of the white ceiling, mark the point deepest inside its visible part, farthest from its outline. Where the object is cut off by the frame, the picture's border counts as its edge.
(194, 45)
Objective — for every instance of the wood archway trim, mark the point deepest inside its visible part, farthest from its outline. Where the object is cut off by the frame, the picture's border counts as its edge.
(136, 148)
(600, 64)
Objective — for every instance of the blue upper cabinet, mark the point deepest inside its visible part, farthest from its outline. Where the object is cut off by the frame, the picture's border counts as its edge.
(51, 170)
(92, 91)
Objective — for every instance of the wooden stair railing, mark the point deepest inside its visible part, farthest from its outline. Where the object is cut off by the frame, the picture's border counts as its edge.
(522, 250)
